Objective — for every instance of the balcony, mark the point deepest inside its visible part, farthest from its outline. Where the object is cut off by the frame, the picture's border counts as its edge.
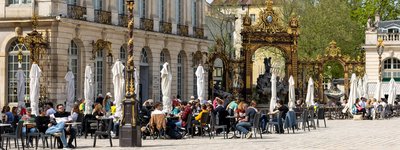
(183, 30)
(198, 32)
(390, 38)
(103, 17)
(76, 12)
(166, 27)
(146, 24)
(122, 20)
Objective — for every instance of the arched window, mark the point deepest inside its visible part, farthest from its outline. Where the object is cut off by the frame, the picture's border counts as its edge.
(391, 69)
(122, 54)
(143, 57)
(121, 7)
(180, 78)
(13, 67)
(73, 63)
(98, 69)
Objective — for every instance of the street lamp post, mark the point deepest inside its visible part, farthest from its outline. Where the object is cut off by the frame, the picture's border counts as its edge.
(130, 134)
(380, 49)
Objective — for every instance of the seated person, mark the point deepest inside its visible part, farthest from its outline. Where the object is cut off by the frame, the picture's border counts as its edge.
(98, 111)
(28, 119)
(63, 117)
(204, 111)
(221, 113)
(42, 121)
(359, 108)
(157, 119)
(244, 124)
(187, 110)
(280, 107)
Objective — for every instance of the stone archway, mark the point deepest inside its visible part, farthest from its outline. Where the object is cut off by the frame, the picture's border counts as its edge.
(269, 32)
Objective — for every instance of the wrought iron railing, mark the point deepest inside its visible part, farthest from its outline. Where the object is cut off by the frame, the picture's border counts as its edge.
(103, 17)
(183, 30)
(146, 24)
(166, 27)
(122, 20)
(76, 12)
(198, 32)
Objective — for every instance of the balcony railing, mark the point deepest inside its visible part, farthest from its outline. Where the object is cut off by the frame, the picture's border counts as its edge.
(76, 12)
(166, 27)
(183, 30)
(146, 24)
(198, 32)
(390, 36)
(103, 17)
(122, 20)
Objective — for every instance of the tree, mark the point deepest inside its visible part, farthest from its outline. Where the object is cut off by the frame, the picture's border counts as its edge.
(363, 9)
(322, 21)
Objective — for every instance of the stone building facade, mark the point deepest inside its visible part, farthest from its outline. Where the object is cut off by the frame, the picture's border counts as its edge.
(165, 31)
(388, 31)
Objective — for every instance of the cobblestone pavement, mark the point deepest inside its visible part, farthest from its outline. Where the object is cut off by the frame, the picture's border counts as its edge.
(339, 135)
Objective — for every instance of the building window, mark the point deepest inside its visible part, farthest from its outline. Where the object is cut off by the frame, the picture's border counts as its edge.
(253, 18)
(122, 54)
(194, 13)
(73, 64)
(121, 7)
(391, 69)
(143, 57)
(19, 2)
(98, 68)
(98, 4)
(180, 78)
(179, 11)
(162, 10)
(73, 2)
(394, 30)
(142, 9)
(194, 82)
(13, 68)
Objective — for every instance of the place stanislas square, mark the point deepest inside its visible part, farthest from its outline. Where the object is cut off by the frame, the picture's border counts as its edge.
(173, 74)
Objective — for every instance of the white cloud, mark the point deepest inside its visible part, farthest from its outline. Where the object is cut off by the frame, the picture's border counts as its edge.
(209, 1)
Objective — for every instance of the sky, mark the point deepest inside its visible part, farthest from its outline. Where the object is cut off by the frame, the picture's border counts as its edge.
(209, 1)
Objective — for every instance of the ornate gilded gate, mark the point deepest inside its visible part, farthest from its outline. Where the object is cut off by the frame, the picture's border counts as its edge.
(269, 31)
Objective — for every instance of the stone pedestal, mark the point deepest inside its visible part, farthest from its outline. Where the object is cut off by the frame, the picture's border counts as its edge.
(129, 135)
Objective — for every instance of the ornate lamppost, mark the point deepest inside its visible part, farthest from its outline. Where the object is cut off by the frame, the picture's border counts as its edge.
(380, 49)
(130, 134)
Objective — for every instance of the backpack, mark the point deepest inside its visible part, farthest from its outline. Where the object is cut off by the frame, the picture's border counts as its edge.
(174, 134)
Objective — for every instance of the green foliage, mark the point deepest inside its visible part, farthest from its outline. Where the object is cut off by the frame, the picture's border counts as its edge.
(363, 9)
(333, 70)
(326, 20)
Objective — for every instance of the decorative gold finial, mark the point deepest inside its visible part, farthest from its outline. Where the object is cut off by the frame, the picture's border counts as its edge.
(380, 41)
(269, 4)
(34, 22)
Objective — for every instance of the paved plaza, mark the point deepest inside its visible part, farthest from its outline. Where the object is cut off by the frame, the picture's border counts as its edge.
(339, 135)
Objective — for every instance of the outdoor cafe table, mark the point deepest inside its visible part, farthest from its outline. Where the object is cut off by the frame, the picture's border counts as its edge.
(233, 125)
(2, 126)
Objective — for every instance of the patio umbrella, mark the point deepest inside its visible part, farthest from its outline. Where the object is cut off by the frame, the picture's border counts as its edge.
(365, 86)
(34, 87)
(360, 86)
(20, 76)
(392, 92)
(69, 78)
(292, 96)
(88, 90)
(136, 74)
(118, 81)
(310, 92)
(378, 91)
(273, 93)
(200, 82)
(353, 90)
(166, 78)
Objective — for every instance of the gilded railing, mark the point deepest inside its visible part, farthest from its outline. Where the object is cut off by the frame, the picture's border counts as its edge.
(76, 12)
(103, 17)
(166, 27)
(146, 24)
(183, 30)
(198, 32)
(122, 20)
